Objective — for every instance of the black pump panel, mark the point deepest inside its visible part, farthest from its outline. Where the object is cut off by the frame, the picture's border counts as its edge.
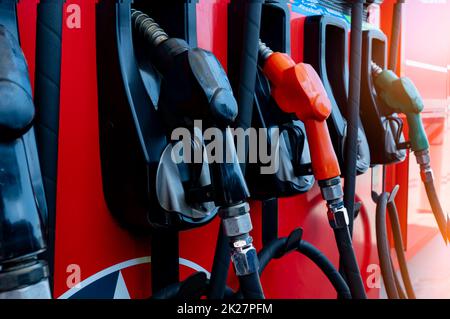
(326, 49)
(132, 135)
(384, 128)
(275, 26)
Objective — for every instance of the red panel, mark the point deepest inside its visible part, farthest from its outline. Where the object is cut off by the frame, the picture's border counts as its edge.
(86, 234)
(26, 12)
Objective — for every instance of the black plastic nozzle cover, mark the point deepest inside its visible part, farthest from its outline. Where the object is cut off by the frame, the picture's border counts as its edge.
(23, 208)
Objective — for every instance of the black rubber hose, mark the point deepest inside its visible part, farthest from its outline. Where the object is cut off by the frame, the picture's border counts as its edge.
(399, 249)
(250, 286)
(383, 247)
(221, 264)
(398, 285)
(243, 44)
(395, 34)
(438, 212)
(169, 292)
(351, 144)
(327, 268)
(46, 99)
(349, 262)
(276, 248)
(244, 24)
(173, 291)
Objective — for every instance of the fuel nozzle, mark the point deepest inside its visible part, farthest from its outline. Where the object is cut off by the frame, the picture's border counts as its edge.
(196, 87)
(297, 89)
(400, 95)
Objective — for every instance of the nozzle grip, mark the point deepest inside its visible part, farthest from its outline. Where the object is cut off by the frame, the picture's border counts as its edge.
(417, 134)
(324, 161)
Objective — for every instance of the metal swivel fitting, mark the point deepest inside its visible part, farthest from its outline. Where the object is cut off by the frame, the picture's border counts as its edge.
(148, 28)
(424, 161)
(244, 257)
(337, 215)
(376, 70)
(237, 226)
(236, 219)
(332, 192)
(264, 51)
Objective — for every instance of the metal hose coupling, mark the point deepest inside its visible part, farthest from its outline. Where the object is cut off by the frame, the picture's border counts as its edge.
(424, 160)
(27, 279)
(148, 28)
(332, 193)
(237, 226)
(264, 51)
(376, 70)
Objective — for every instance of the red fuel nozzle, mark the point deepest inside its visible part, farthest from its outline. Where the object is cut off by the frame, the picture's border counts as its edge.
(297, 89)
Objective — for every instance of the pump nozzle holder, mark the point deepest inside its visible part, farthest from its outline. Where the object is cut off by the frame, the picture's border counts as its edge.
(297, 89)
(400, 95)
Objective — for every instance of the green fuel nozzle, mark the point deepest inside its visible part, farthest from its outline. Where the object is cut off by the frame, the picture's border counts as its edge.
(400, 95)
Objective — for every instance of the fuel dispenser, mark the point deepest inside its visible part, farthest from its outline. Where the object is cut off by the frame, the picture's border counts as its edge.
(153, 80)
(294, 174)
(203, 93)
(326, 49)
(387, 141)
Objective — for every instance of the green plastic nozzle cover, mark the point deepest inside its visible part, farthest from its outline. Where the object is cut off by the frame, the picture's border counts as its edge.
(402, 96)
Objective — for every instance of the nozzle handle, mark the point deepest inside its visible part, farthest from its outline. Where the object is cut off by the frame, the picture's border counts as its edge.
(417, 135)
(297, 89)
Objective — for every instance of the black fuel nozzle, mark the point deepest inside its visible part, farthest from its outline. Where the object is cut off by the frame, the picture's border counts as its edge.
(22, 210)
(194, 82)
(195, 87)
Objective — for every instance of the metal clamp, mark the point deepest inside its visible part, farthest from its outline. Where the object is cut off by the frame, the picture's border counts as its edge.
(424, 160)
(245, 260)
(338, 216)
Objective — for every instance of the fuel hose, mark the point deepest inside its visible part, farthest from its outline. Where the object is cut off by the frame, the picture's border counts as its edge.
(393, 288)
(353, 122)
(245, 22)
(279, 248)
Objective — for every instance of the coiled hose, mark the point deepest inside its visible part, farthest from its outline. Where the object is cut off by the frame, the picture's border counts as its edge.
(194, 287)
(277, 249)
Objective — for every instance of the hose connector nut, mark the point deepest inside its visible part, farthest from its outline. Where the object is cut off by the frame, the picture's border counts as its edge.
(332, 192)
(237, 225)
(423, 158)
(245, 261)
(338, 217)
